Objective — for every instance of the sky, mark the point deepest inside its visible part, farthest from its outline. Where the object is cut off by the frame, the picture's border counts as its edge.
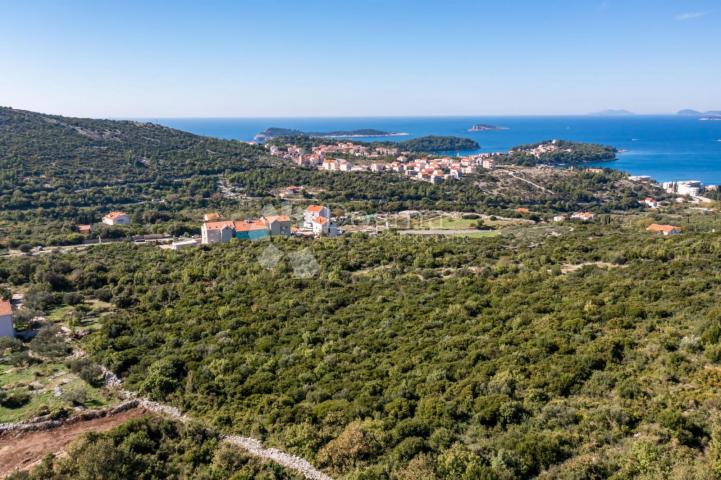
(265, 58)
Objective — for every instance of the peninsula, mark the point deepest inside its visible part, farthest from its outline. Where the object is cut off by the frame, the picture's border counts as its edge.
(274, 132)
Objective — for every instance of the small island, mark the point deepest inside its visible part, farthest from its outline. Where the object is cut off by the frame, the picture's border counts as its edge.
(435, 143)
(613, 113)
(483, 127)
(275, 132)
(561, 152)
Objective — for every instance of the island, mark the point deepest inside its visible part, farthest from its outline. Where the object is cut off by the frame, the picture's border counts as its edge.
(435, 143)
(702, 115)
(689, 113)
(557, 152)
(714, 117)
(483, 127)
(275, 132)
(613, 113)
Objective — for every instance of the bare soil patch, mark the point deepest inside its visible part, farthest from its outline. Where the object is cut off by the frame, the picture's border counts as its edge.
(23, 450)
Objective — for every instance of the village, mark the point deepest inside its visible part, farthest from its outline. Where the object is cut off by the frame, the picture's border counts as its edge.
(387, 159)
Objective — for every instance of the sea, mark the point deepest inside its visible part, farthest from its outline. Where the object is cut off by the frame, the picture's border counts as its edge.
(666, 148)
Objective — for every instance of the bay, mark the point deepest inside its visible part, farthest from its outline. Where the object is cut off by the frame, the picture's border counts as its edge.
(665, 148)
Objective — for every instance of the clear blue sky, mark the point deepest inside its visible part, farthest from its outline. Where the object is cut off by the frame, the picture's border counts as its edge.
(135, 58)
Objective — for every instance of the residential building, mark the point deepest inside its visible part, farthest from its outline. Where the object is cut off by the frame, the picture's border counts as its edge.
(211, 217)
(321, 225)
(687, 187)
(217, 232)
(221, 232)
(330, 165)
(278, 225)
(6, 319)
(84, 229)
(312, 212)
(650, 202)
(666, 230)
(116, 218)
(251, 229)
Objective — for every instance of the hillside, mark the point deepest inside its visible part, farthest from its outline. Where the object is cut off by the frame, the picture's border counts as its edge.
(436, 143)
(61, 149)
(565, 352)
(58, 172)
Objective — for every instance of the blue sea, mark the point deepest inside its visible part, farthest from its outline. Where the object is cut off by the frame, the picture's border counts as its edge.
(663, 147)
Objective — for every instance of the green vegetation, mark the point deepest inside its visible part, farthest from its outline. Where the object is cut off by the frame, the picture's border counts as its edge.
(504, 357)
(435, 143)
(39, 377)
(274, 132)
(57, 172)
(553, 351)
(565, 152)
(151, 448)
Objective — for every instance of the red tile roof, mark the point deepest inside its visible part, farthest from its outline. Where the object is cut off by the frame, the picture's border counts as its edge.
(278, 218)
(114, 215)
(6, 308)
(654, 227)
(248, 225)
(219, 225)
(314, 208)
(320, 220)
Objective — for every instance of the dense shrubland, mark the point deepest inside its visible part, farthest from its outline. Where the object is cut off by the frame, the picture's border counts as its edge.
(591, 355)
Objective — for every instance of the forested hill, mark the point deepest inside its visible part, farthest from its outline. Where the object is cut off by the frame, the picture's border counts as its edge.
(55, 150)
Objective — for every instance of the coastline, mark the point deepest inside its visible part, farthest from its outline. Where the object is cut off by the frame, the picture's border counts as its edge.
(395, 134)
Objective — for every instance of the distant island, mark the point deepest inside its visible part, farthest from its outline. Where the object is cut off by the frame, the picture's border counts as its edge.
(435, 143)
(274, 132)
(483, 127)
(613, 113)
(714, 117)
(703, 115)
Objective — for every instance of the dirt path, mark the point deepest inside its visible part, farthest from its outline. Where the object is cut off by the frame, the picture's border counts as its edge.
(21, 451)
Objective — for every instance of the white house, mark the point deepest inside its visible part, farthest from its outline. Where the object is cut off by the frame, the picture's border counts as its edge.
(321, 225)
(217, 232)
(313, 212)
(650, 202)
(116, 218)
(6, 319)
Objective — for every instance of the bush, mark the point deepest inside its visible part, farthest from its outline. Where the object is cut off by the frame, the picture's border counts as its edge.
(50, 343)
(15, 399)
(77, 396)
(91, 373)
